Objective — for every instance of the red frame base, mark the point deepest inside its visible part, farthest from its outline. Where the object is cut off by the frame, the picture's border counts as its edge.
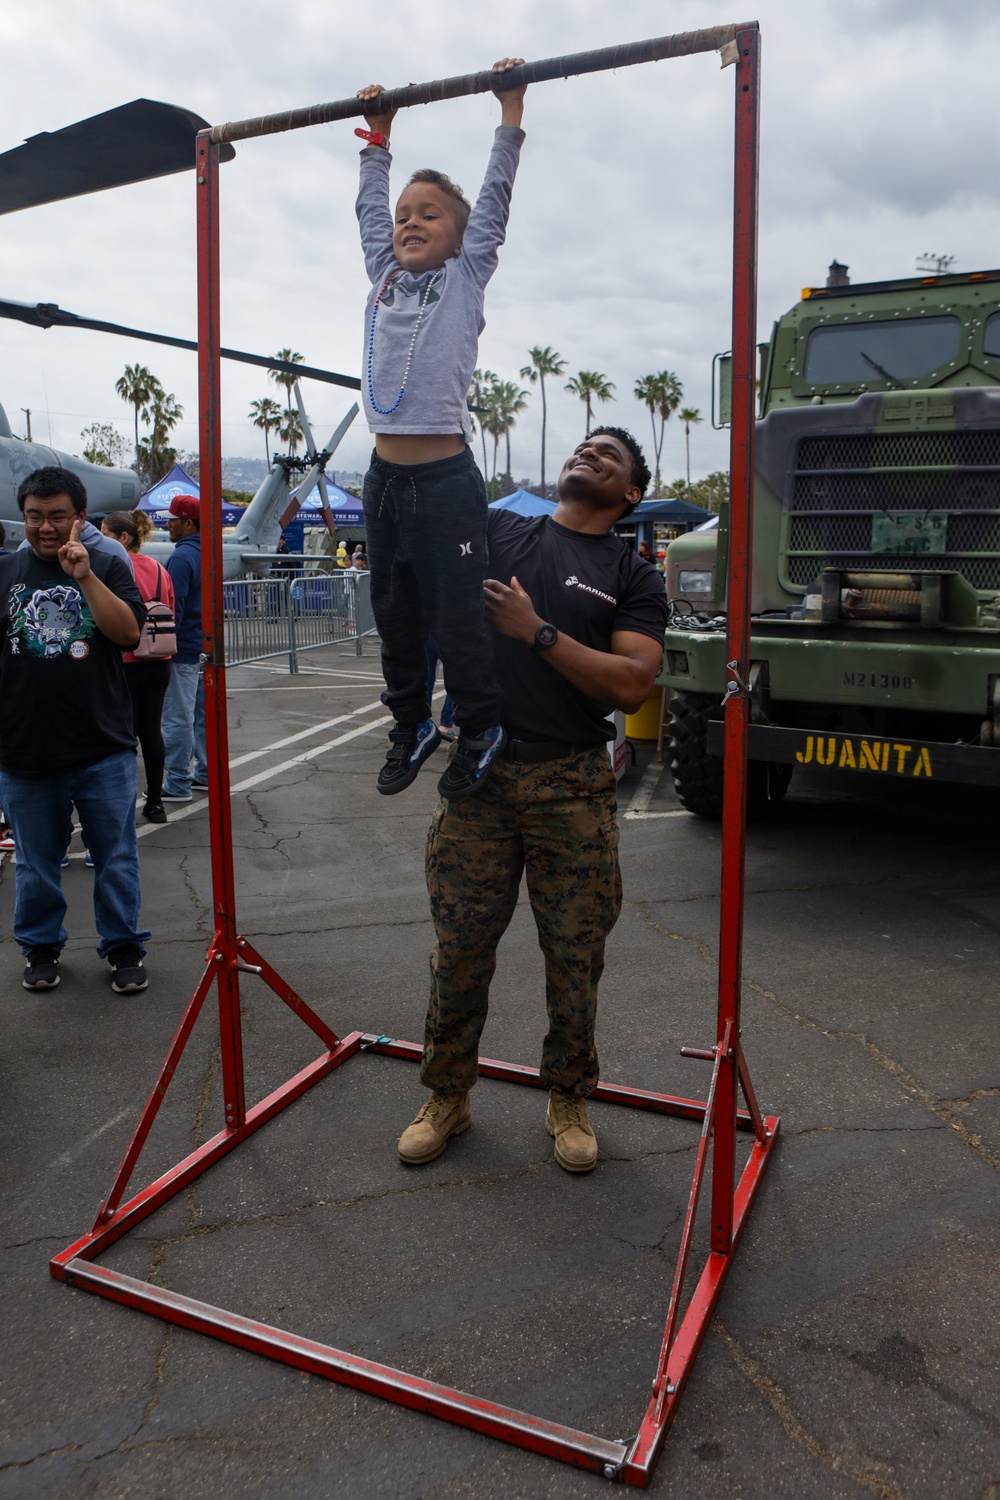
(632, 1462)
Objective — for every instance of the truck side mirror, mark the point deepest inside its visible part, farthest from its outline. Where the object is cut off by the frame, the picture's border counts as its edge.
(722, 390)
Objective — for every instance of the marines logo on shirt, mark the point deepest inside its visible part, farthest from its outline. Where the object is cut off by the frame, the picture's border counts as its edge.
(53, 621)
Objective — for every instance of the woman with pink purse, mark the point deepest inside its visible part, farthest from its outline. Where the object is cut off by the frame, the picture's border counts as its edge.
(147, 668)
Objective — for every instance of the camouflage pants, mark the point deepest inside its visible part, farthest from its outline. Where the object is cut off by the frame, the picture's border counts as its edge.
(556, 822)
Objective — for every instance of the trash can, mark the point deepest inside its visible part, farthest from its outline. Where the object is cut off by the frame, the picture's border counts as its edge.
(644, 724)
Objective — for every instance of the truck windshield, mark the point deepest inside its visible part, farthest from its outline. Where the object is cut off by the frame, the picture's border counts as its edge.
(991, 338)
(903, 349)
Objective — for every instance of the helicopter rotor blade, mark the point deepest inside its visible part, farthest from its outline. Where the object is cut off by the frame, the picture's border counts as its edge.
(336, 437)
(132, 143)
(307, 430)
(51, 315)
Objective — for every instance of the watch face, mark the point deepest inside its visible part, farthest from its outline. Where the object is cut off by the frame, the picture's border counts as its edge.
(545, 636)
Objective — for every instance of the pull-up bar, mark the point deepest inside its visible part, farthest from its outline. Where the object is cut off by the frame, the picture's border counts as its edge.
(603, 60)
(734, 1184)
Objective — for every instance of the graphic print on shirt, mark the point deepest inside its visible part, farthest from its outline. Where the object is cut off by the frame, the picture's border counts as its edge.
(53, 621)
(408, 285)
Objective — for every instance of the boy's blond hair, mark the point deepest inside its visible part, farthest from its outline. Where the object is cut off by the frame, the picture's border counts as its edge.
(461, 205)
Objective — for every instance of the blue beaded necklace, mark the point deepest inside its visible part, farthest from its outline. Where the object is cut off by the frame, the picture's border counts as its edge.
(385, 411)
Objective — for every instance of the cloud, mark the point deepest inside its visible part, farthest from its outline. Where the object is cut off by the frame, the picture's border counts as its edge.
(877, 144)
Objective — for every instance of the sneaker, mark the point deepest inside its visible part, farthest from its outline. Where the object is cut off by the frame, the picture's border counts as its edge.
(448, 732)
(471, 762)
(88, 859)
(410, 745)
(199, 784)
(443, 1116)
(41, 971)
(6, 841)
(127, 968)
(64, 862)
(154, 812)
(177, 797)
(566, 1120)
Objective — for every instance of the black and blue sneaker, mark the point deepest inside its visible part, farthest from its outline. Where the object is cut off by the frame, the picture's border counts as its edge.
(471, 762)
(410, 745)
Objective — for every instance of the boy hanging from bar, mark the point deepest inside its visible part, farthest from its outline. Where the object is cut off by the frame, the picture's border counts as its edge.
(424, 498)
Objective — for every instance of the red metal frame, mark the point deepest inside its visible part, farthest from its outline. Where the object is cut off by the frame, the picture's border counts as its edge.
(229, 954)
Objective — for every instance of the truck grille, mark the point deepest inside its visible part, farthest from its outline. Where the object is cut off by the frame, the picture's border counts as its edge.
(841, 482)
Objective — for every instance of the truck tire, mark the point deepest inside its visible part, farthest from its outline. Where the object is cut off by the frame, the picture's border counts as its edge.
(697, 776)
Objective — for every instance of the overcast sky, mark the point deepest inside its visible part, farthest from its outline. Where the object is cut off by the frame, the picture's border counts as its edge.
(879, 142)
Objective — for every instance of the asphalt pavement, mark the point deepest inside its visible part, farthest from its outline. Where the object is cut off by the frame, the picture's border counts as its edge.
(856, 1345)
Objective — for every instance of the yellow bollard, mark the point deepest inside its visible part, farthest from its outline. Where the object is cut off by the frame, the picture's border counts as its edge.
(644, 724)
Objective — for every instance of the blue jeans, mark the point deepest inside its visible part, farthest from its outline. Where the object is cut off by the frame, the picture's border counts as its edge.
(184, 728)
(39, 810)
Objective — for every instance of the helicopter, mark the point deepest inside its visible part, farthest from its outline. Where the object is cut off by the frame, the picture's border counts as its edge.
(134, 143)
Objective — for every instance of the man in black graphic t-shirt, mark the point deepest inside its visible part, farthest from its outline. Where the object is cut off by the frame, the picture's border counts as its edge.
(66, 615)
(578, 621)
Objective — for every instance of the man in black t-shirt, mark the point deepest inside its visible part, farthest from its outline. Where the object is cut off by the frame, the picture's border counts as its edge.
(578, 621)
(66, 738)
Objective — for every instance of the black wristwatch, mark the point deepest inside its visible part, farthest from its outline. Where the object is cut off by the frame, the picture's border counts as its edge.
(545, 636)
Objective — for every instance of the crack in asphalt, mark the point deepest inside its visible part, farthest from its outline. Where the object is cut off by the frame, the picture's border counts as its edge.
(201, 922)
(872, 1473)
(944, 1109)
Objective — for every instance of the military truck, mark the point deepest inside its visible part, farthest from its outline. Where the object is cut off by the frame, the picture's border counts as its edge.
(875, 636)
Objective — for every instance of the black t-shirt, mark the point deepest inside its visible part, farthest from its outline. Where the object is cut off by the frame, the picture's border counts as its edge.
(64, 699)
(587, 586)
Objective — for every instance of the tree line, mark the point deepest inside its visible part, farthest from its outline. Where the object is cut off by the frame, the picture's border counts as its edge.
(495, 405)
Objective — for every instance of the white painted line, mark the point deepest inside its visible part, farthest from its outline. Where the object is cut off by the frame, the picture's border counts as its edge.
(644, 791)
(675, 812)
(251, 781)
(303, 734)
(95, 1135)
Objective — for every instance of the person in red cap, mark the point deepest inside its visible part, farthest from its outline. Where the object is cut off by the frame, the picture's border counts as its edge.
(184, 706)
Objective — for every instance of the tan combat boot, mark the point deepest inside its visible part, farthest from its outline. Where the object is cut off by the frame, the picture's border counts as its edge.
(442, 1116)
(566, 1120)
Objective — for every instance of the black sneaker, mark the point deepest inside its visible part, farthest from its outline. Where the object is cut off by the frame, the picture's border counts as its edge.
(410, 745)
(471, 762)
(198, 785)
(41, 972)
(154, 812)
(127, 968)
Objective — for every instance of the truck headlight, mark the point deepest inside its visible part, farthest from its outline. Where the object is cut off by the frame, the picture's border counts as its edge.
(692, 581)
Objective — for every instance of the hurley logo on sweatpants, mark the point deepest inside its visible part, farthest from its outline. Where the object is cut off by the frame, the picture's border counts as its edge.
(465, 549)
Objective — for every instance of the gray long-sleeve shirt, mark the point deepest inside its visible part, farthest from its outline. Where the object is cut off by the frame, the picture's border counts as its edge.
(446, 346)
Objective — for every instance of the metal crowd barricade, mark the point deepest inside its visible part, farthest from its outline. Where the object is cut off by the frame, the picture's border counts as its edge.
(290, 613)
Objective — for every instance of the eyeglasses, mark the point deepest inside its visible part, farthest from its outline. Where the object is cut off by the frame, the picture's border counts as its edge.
(56, 518)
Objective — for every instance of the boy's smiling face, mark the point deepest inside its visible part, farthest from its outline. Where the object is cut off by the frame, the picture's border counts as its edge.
(426, 232)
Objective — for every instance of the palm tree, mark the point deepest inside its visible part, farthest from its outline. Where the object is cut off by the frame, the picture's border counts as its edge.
(543, 362)
(265, 414)
(510, 402)
(162, 412)
(662, 393)
(483, 382)
(590, 386)
(283, 378)
(689, 415)
(290, 430)
(137, 386)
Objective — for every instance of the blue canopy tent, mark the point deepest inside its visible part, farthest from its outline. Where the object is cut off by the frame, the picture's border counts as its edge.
(524, 503)
(156, 501)
(346, 509)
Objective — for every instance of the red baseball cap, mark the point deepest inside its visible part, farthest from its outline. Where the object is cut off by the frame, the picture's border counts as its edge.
(187, 507)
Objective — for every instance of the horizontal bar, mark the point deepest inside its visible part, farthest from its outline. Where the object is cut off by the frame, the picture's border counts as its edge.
(166, 1187)
(550, 1438)
(603, 60)
(604, 1093)
(639, 1465)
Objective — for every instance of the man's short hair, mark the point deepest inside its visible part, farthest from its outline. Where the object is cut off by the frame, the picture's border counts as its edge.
(461, 206)
(44, 483)
(640, 468)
